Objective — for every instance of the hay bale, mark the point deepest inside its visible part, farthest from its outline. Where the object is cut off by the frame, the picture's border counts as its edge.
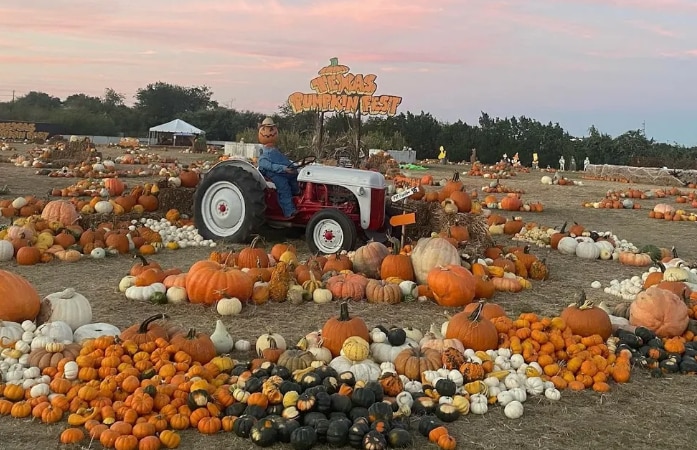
(74, 152)
(92, 220)
(181, 199)
(430, 217)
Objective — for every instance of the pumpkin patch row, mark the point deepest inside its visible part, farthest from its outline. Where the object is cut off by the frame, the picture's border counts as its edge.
(558, 180)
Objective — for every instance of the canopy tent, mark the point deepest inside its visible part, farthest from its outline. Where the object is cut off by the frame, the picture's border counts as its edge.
(172, 129)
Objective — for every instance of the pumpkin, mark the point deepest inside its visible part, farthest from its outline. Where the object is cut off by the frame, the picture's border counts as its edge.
(338, 328)
(147, 331)
(661, 311)
(198, 345)
(28, 256)
(397, 264)
(412, 362)
(208, 281)
(347, 286)
(635, 259)
(115, 186)
(253, 256)
(585, 319)
(336, 263)
(20, 301)
(462, 200)
(473, 330)
(489, 310)
(452, 285)
(378, 291)
(511, 203)
(60, 211)
(67, 306)
(189, 178)
(432, 252)
(368, 258)
(268, 132)
(42, 357)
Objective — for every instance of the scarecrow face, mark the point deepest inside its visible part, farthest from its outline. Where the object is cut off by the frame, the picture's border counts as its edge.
(268, 134)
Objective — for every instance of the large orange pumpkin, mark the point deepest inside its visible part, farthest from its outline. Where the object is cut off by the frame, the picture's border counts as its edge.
(473, 330)
(115, 186)
(462, 201)
(584, 319)
(60, 211)
(208, 281)
(189, 178)
(661, 311)
(20, 301)
(339, 328)
(452, 285)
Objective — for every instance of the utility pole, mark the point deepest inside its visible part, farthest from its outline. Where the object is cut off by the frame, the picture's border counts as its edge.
(643, 128)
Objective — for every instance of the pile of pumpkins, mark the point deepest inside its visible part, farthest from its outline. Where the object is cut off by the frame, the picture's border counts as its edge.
(431, 270)
(664, 211)
(54, 234)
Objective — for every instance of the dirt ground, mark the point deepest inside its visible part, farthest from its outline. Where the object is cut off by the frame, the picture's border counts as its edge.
(644, 413)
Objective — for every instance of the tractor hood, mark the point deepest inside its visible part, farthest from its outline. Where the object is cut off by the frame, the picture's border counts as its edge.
(342, 176)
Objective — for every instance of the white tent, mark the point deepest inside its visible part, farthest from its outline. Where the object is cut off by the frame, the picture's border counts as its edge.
(177, 127)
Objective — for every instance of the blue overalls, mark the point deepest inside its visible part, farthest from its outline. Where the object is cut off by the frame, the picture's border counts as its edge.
(273, 164)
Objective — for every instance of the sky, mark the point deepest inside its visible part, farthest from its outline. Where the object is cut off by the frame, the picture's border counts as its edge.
(617, 64)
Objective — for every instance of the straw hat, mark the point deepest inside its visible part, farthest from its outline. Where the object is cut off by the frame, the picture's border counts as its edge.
(268, 122)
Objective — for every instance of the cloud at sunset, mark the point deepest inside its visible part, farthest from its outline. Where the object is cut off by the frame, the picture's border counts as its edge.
(453, 58)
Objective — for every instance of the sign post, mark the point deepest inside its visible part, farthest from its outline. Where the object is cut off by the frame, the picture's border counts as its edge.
(405, 219)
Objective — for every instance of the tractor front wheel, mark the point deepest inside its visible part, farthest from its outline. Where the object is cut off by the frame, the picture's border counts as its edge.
(330, 231)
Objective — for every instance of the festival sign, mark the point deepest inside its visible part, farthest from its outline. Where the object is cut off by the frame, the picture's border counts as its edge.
(26, 130)
(336, 89)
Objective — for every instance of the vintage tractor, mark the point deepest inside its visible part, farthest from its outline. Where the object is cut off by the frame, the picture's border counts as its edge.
(336, 205)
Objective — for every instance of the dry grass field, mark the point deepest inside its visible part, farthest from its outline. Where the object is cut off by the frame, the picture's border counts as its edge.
(644, 413)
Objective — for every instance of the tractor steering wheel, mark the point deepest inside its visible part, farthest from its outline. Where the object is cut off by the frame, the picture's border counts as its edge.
(303, 162)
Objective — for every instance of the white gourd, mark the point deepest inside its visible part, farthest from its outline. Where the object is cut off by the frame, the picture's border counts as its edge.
(10, 331)
(243, 345)
(126, 282)
(58, 331)
(222, 341)
(377, 336)
(229, 306)
(31, 372)
(367, 370)
(552, 394)
(414, 334)
(514, 410)
(39, 389)
(511, 382)
(321, 354)
(70, 370)
(177, 295)
(143, 293)
(505, 397)
(40, 341)
(519, 394)
(535, 386)
(66, 306)
(479, 404)
(264, 341)
(6, 250)
(517, 361)
(22, 346)
(94, 330)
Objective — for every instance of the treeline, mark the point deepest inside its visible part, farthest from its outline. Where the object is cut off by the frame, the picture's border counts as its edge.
(299, 133)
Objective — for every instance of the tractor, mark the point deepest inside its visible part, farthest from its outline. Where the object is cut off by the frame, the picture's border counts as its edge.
(337, 206)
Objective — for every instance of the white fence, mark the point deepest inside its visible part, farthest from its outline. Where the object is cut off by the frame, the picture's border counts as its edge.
(649, 175)
(242, 149)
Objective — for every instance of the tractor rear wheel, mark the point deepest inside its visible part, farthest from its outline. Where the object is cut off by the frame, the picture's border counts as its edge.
(330, 231)
(229, 205)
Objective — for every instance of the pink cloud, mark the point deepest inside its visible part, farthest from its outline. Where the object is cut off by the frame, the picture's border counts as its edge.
(653, 28)
(56, 60)
(666, 6)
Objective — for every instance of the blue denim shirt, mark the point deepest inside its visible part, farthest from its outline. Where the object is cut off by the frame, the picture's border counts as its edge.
(273, 161)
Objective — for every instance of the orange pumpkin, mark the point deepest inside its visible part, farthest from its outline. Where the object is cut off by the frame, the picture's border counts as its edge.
(208, 281)
(473, 330)
(60, 211)
(115, 186)
(268, 132)
(661, 311)
(452, 285)
(20, 300)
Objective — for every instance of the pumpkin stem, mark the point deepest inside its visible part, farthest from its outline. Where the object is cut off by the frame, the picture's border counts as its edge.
(661, 266)
(474, 317)
(526, 249)
(143, 261)
(674, 252)
(191, 334)
(146, 323)
(396, 245)
(255, 241)
(344, 312)
(456, 176)
(563, 228)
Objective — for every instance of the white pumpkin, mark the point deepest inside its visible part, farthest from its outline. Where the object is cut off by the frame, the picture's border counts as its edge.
(93, 331)
(10, 331)
(126, 282)
(58, 331)
(67, 306)
(6, 250)
(19, 203)
(519, 394)
(174, 181)
(22, 346)
(384, 352)
(103, 207)
(70, 370)
(479, 404)
(41, 341)
(29, 325)
(567, 245)
(177, 295)
(243, 345)
(98, 253)
(366, 370)
(587, 250)
(264, 341)
(413, 386)
(321, 354)
(552, 394)
(409, 289)
(514, 410)
(39, 389)
(535, 386)
(322, 296)
(143, 293)
(229, 306)
(414, 334)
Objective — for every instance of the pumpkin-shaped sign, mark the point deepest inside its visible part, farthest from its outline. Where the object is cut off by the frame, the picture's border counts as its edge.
(268, 132)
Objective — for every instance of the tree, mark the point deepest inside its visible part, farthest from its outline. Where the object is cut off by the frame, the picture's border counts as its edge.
(161, 102)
